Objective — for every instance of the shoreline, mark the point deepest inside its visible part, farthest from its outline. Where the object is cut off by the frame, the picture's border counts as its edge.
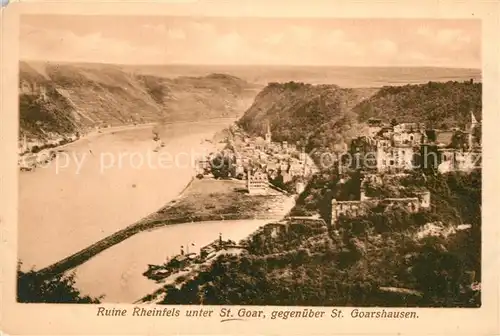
(46, 152)
(152, 242)
(126, 238)
(57, 148)
(124, 262)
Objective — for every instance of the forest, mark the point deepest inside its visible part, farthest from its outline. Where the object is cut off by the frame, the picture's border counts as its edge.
(438, 105)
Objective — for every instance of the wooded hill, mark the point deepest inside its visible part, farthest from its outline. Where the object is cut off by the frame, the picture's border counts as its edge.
(312, 115)
(438, 105)
(328, 116)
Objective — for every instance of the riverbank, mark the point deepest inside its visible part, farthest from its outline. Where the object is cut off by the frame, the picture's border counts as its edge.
(41, 153)
(116, 256)
(47, 151)
(196, 229)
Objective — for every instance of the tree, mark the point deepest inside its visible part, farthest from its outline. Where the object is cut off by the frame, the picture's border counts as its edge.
(33, 288)
(220, 166)
(431, 135)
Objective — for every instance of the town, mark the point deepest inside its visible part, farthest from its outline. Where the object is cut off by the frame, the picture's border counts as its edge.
(384, 156)
(388, 151)
(261, 162)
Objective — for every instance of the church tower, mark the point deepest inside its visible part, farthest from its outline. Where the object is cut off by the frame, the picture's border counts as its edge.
(268, 134)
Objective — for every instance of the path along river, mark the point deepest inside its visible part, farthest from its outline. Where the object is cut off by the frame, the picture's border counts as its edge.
(89, 193)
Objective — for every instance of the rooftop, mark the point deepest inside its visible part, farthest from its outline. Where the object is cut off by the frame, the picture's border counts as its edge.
(444, 137)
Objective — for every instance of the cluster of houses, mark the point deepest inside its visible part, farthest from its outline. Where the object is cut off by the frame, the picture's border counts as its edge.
(264, 160)
(395, 150)
(406, 146)
(30, 161)
(259, 160)
(27, 145)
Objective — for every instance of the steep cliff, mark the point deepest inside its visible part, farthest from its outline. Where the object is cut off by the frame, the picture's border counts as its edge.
(315, 115)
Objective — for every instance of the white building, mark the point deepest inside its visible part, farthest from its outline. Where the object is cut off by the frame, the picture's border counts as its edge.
(300, 187)
(257, 183)
(394, 158)
(409, 127)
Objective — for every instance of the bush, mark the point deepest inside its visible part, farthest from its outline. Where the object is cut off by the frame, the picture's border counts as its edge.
(33, 288)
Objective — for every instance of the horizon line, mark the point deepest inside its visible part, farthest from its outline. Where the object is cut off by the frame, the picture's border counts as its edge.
(252, 65)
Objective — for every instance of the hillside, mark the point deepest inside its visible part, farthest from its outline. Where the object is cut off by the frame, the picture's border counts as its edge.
(59, 100)
(390, 259)
(436, 104)
(326, 117)
(315, 115)
(395, 258)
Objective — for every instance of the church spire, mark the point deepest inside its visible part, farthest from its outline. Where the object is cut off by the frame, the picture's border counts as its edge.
(268, 133)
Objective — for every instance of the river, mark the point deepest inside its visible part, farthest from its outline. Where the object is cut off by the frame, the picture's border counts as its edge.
(117, 271)
(88, 192)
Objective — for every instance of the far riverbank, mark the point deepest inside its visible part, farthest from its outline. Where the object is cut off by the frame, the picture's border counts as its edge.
(28, 160)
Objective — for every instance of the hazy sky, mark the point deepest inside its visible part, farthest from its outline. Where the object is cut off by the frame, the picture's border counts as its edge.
(195, 40)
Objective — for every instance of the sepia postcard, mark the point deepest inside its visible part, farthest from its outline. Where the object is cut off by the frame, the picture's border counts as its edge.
(250, 167)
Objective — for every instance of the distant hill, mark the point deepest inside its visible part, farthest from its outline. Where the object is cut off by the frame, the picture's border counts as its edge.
(60, 99)
(436, 104)
(344, 76)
